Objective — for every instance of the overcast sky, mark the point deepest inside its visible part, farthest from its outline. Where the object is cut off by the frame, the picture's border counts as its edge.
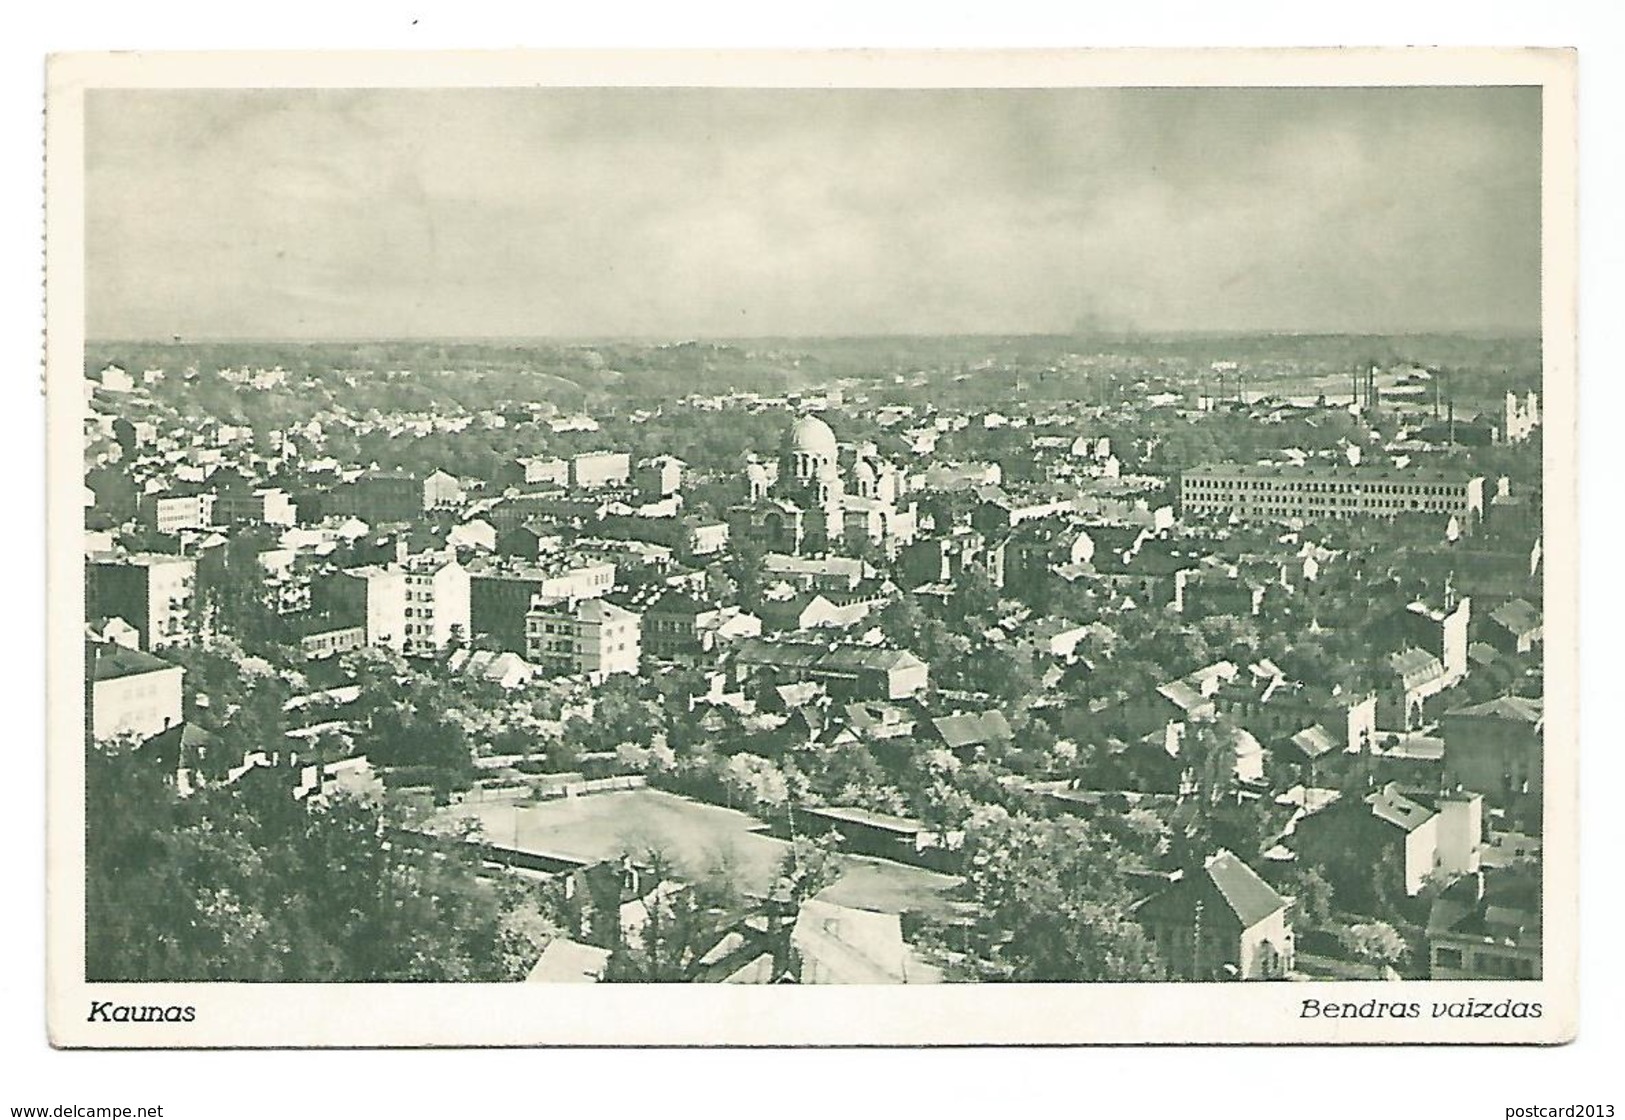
(691, 213)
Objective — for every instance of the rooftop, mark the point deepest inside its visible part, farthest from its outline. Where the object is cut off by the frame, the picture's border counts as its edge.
(1518, 616)
(1520, 709)
(1330, 471)
(972, 728)
(109, 663)
(1315, 741)
(1391, 806)
(1247, 897)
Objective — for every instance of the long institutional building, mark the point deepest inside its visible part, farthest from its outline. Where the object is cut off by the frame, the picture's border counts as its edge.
(1269, 492)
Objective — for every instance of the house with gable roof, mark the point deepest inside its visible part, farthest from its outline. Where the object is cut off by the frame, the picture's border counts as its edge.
(1514, 627)
(1391, 840)
(1221, 922)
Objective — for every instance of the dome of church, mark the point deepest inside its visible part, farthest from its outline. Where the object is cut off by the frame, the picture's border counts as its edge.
(864, 470)
(810, 436)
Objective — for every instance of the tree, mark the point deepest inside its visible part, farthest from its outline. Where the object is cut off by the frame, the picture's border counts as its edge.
(244, 883)
(1231, 636)
(975, 598)
(1312, 898)
(1006, 675)
(1207, 758)
(756, 782)
(1146, 835)
(1377, 944)
(808, 866)
(1051, 904)
(621, 714)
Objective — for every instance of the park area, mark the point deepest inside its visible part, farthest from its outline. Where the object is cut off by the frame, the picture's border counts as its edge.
(698, 838)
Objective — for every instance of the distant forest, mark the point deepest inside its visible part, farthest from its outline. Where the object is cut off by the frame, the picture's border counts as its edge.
(958, 369)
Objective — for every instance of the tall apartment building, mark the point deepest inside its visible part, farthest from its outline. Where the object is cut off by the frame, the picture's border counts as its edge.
(437, 603)
(153, 592)
(169, 514)
(419, 606)
(501, 592)
(1313, 492)
(587, 636)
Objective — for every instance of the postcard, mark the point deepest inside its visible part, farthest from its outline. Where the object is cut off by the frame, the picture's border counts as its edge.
(812, 548)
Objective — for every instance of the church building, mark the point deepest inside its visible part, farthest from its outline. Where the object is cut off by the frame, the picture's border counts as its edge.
(818, 495)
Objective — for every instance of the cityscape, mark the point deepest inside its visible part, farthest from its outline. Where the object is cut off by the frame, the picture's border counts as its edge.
(1109, 664)
(547, 641)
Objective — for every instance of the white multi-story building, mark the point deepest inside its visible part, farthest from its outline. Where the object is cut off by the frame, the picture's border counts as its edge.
(437, 603)
(153, 592)
(131, 693)
(586, 636)
(420, 606)
(1314, 492)
(169, 514)
(267, 505)
(595, 469)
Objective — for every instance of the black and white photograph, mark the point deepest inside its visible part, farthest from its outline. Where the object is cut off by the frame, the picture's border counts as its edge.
(619, 535)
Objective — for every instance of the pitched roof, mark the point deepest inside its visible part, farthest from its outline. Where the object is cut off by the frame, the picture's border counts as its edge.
(1415, 664)
(568, 962)
(1182, 695)
(585, 610)
(1517, 616)
(757, 651)
(179, 745)
(1247, 897)
(1315, 741)
(109, 663)
(872, 715)
(1250, 898)
(800, 694)
(1391, 806)
(971, 729)
(841, 945)
(1519, 709)
(1507, 912)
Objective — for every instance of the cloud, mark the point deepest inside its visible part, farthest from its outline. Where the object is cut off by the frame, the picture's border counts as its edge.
(697, 212)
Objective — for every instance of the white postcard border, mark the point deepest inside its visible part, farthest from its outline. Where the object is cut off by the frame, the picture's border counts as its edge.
(282, 1015)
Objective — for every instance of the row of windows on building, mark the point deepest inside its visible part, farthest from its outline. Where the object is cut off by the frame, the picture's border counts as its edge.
(1294, 486)
(1288, 501)
(566, 646)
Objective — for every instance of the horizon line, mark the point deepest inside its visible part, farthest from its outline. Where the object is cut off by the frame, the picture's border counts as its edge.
(677, 339)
